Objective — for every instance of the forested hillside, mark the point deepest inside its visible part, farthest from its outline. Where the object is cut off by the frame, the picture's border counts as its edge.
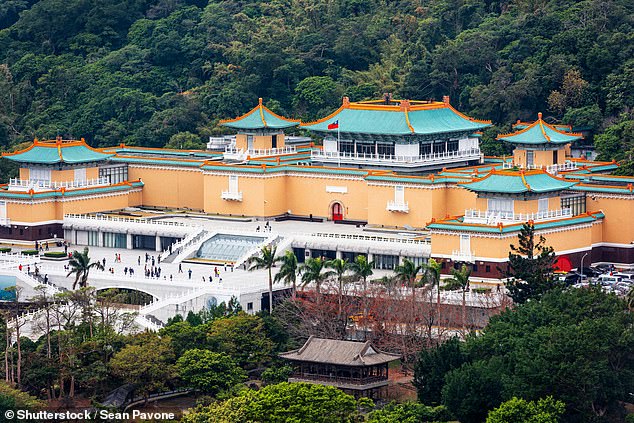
(142, 71)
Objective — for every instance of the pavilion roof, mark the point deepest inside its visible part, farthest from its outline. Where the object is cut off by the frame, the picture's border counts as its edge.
(344, 353)
(398, 118)
(57, 151)
(518, 182)
(260, 117)
(540, 132)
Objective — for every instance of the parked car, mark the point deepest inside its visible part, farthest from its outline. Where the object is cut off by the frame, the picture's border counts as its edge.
(569, 278)
(590, 272)
(605, 267)
(627, 277)
(609, 279)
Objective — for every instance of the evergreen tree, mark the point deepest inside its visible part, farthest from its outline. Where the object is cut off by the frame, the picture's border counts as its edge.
(530, 266)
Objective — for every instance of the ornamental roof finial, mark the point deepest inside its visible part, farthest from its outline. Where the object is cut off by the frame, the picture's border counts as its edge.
(405, 105)
(260, 101)
(445, 99)
(539, 116)
(346, 102)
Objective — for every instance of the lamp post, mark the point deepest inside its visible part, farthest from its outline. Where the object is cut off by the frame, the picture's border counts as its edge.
(584, 256)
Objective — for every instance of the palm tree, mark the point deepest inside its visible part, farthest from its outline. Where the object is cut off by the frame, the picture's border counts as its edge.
(288, 270)
(339, 267)
(313, 272)
(363, 269)
(460, 280)
(408, 272)
(80, 265)
(432, 272)
(630, 299)
(266, 261)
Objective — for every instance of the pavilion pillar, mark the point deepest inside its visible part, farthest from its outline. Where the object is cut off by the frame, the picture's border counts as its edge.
(158, 243)
(129, 245)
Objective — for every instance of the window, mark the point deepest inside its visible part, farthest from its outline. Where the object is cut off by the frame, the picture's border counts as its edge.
(440, 146)
(233, 184)
(542, 205)
(385, 262)
(530, 158)
(114, 240)
(80, 174)
(385, 149)
(363, 148)
(249, 142)
(475, 267)
(39, 174)
(115, 175)
(577, 204)
(465, 243)
(498, 205)
(425, 149)
(346, 146)
(249, 306)
(487, 268)
(452, 145)
(555, 156)
(399, 194)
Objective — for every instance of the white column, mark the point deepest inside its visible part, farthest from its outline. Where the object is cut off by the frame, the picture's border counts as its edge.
(339, 254)
(99, 239)
(129, 245)
(158, 243)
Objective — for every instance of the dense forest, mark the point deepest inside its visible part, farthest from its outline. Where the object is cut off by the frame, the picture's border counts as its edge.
(147, 72)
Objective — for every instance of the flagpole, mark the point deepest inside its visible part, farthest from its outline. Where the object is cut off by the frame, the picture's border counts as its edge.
(338, 145)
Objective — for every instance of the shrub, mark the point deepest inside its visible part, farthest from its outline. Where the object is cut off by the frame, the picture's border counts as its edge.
(30, 252)
(5, 250)
(55, 254)
(481, 290)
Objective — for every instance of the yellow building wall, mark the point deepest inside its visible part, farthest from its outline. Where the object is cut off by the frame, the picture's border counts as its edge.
(420, 204)
(281, 141)
(454, 201)
(618, 226)
(34, 212)
(262, 142)
(98, 204)
(241, 141)
(173, 188)
(253, 195)
(24, 173)
(276, 196)
(519, 157)
(307, 194)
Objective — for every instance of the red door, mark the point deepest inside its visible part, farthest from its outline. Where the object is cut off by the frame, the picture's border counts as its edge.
(337, 212)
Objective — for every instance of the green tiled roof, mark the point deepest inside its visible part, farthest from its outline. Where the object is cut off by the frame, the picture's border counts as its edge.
(71, 192)
(53, 152)
(539, 132)
(260, 117)
(359, 118)
(517, 182)
(459, 225)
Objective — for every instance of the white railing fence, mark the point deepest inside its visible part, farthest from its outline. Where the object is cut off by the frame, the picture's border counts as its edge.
(38, 184)
(369, 157)
(494, 217)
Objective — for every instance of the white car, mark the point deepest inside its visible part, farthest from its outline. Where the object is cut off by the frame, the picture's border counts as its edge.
(609, 279)
(627, 277)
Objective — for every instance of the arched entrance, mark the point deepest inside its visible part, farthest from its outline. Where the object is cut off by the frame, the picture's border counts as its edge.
(336, 211)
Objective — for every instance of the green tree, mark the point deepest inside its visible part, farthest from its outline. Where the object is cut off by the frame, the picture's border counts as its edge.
(15, 399)
(185, 141)
(432, 365)
(316, 96)
(148, 365)
(460, 280)
(266, 260)
(409, 412)
(288, 271)
(313, 271)
(339, 268)
(530, 266)
(284, 402)
(80, 265)
(243, 337)
(209, 372)
(408, 273)
(518, 410)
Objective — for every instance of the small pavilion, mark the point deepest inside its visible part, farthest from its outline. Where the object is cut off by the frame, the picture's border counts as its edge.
(357, 368)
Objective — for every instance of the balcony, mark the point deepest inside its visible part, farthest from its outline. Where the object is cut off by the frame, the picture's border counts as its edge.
(491, 217)
(552, 169)
(398, 206)
(390, 160)
(464, 256)
(232, 153)
(26, 185)
(231, 196)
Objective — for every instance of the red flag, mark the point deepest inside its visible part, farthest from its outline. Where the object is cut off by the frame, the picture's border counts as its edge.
(334, 125)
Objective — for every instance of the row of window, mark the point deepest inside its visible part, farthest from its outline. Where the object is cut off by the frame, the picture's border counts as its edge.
(115, 175)
(388, 149)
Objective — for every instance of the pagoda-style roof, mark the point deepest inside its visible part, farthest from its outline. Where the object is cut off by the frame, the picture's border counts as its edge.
(260, 117)
(343, 353)
(57, 151)
(397, 118)
(540, 132)
(518, 182)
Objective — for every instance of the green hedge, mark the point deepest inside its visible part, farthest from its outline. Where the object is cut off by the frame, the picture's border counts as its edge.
(55, 254)
(481, 290)
(5, 250)
(30, 252)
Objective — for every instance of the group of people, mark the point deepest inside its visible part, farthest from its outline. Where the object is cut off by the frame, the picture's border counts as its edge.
(267, 228)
